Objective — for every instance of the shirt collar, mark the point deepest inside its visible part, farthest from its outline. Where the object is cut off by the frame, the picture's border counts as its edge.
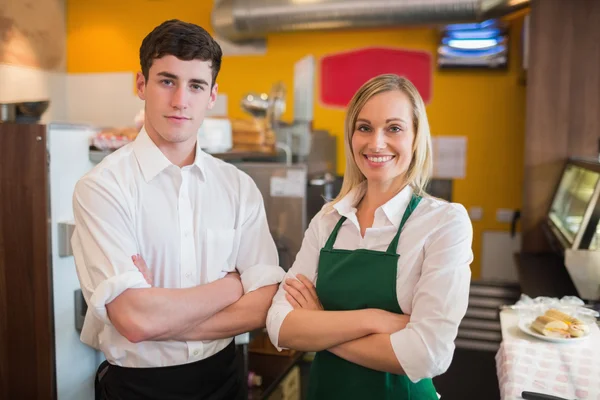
(346, 207)
(393, 209)
(152, 161)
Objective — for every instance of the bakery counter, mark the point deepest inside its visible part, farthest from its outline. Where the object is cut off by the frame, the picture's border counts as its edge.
(568, 370)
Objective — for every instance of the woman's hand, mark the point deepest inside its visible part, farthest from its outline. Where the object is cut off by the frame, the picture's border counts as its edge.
(301, 293)
(387, 322)
(140, 264)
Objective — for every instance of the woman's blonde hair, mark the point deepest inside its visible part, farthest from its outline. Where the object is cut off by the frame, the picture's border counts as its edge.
(421, 164)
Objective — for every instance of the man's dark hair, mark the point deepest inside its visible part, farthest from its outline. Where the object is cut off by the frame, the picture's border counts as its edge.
(183, 40)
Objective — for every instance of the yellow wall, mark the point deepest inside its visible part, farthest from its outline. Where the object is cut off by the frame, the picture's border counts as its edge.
(488, 107)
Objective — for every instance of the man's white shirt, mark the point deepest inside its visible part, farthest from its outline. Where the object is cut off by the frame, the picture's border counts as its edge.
(191, 225)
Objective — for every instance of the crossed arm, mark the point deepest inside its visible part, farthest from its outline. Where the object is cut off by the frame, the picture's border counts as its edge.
(225, 312)
(163, 314)
(361, 336)
(208, 312)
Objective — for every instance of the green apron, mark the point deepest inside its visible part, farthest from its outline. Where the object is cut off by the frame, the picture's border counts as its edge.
(354, 280)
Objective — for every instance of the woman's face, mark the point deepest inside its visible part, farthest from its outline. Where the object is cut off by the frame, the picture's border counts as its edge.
(383, 137)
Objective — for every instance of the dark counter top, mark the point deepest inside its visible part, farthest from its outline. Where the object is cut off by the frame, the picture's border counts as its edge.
(244, 155)
(97, 155)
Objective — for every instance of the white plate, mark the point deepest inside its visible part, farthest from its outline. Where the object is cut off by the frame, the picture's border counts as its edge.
(525, 326)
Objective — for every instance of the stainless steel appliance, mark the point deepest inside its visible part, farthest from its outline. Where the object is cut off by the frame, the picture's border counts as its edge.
(24, 112)
(283, 188)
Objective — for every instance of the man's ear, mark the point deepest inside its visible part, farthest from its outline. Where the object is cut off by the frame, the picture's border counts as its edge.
(140, 84)
(213, 96)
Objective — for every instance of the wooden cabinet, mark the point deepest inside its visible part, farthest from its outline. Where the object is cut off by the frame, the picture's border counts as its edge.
(27, 366)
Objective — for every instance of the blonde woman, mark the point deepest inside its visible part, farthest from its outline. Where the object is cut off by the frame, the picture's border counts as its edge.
(390, 263)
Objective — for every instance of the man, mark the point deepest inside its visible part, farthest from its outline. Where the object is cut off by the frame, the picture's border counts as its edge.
(194, 219)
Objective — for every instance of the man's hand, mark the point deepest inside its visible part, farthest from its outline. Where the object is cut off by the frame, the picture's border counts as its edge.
(301, 293)
(139, 262)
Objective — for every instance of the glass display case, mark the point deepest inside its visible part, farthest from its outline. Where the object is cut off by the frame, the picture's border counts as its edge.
(575, 210)
(571, 227)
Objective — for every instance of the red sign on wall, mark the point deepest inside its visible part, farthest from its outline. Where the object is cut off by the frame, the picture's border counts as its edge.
(343, 74)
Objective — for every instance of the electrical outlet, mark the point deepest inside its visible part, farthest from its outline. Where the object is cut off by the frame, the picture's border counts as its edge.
(504, 215)
(475, 213)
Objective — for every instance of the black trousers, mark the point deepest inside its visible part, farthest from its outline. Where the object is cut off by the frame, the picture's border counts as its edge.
(217, 377)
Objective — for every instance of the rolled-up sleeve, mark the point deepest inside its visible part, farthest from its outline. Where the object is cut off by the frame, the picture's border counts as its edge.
(426, 346)
(103, 243)
(257, 258)
(306, 263)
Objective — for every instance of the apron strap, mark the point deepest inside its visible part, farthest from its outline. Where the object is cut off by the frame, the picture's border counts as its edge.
(414, 202)
(333, 236)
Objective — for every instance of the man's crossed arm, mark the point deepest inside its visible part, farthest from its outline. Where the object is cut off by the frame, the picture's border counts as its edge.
(206, 312)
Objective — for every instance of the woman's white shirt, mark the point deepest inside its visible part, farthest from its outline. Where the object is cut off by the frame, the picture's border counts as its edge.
(433, 276)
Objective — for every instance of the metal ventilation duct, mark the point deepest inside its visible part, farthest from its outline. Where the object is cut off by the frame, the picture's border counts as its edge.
(243, 20)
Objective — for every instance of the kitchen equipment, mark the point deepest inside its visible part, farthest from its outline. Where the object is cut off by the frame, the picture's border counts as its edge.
(323, 182)
(263, 105)
(572, 225)
(24, 112)
(32, 109)
(573, 219)
(268, 106)
(255, 104)
(584, 268)
(214, 135)
(8, 112)
(283, 188)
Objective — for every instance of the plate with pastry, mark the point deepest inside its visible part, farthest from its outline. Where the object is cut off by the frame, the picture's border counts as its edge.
(556, 326)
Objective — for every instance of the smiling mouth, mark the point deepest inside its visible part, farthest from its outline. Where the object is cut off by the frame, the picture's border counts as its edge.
(379, 159)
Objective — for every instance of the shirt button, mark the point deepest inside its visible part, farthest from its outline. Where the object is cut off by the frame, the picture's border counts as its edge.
(196, 352)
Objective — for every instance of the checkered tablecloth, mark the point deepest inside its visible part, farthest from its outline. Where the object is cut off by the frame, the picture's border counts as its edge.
(525, 363)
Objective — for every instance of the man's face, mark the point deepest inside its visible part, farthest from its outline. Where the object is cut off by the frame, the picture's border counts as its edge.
(177, 94)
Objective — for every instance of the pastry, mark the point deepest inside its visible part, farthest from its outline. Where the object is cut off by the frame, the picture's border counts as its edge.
(577, 328)
(551, 327)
